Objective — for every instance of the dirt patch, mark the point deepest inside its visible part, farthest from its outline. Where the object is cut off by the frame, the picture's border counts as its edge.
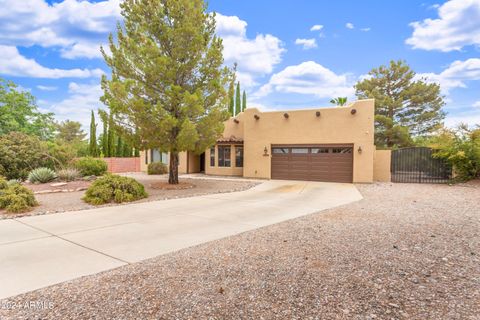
(58, 186)
(72, 201)
(164, 185)
(405, 251)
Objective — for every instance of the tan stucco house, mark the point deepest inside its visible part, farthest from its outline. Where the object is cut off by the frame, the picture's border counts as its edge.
(326, 144)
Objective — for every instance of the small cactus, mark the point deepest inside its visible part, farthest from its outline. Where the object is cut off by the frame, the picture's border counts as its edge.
(41, 175)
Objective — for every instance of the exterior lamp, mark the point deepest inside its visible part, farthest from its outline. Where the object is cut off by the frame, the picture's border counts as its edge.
(265, 151)
(360, 149)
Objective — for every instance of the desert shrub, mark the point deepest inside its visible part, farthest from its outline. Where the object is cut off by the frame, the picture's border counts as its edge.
(41, 175)
(15, 198)
(157, 168)
(461, 148)
(113, 188)
(89, 166)
(19, 154)
(68, 174)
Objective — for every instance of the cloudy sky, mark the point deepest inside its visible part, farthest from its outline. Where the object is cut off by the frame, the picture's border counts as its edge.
(291, 54)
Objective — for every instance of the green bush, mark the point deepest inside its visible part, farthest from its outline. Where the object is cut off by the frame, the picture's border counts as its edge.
(89, 166)
(113, 188)
(15, 198)
(157, 168)
(41, 175)
(460, 148)
(68, 174)
(20, 153)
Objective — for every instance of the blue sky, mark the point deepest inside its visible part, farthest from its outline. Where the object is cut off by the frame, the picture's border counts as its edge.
(291, 54)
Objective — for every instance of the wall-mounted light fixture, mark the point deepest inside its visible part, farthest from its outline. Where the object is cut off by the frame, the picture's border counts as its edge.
(353, 111)
(317, 113)
(265, 151)
(256, 117)
(285, 115)
(360, 149)
(236, 121)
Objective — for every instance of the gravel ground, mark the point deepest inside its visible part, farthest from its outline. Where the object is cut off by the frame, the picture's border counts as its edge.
(72, 201)
(405, 251)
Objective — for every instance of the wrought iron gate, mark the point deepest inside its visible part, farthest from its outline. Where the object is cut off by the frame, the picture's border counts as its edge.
(417, 165)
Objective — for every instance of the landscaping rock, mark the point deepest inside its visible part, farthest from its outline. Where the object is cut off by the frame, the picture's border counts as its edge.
(58, 184)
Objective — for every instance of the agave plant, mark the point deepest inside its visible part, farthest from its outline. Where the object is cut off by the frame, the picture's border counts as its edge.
(68, 174)
(41, 175)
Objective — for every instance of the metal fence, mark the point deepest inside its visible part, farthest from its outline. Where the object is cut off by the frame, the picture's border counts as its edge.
(417, 165)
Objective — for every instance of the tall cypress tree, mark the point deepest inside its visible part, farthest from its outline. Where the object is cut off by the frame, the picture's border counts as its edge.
(244, 102)
(92, 147)
(231, 99)
(119, 148)
(105, 137)
(238, 102)
(110, 138)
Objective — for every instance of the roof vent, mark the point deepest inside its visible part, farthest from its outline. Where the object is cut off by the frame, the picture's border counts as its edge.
(236, 121)
(285, 115)
(353, 111)
(256, 117)
(317, 113)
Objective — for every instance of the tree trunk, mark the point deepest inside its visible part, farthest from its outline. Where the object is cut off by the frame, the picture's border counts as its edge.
(173, 171)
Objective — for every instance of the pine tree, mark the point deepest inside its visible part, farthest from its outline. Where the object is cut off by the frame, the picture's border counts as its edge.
(92, 147)
(244, 103)
(167, 89)
(403, 106)
(238, 101)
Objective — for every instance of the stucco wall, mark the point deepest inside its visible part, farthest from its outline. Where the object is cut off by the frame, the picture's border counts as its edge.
(334, 126)
(381, 165)
(222, 171)
(143, 164)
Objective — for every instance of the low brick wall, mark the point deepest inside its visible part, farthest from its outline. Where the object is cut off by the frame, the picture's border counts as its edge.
(118, 165)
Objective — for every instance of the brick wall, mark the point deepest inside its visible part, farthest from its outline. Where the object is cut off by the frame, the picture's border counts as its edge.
(118, 165)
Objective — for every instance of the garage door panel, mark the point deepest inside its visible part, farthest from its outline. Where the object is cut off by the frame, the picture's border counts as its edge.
(299, 163)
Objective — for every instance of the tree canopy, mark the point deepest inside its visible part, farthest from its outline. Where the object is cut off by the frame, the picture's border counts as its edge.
(70, 131)
(19, 113)
(405, 106)
(167, 87)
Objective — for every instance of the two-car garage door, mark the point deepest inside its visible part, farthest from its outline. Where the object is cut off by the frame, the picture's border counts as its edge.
(331, 163)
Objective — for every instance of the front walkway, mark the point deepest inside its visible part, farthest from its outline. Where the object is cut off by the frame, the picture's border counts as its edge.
(39, 251)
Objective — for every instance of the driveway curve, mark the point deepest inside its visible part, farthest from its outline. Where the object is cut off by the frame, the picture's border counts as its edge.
(39, 251)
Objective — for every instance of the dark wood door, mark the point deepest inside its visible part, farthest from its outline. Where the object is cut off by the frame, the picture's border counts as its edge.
(330, 163)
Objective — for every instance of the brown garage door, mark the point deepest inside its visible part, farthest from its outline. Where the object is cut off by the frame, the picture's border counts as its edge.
(331, 163)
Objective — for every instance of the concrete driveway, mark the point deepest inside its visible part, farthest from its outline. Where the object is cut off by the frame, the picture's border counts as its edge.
(39, 251)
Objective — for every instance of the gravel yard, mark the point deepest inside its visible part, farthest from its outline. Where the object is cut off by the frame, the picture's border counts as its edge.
(405, 251)
(72, 201)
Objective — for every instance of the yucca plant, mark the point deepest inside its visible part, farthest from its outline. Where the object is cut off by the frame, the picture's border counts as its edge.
(41, 175)
(68, 174)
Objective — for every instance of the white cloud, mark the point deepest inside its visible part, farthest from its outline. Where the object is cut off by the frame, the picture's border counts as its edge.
(457, 26)
(46, 88)
(83, 98)
(476, 104)
(365, 29)
(14, 64)
(316, 27)
(306, 43)
(76, 27)
(308, 78)
(349, 25)
(469, 117)
(455, 75)
(255, 57)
